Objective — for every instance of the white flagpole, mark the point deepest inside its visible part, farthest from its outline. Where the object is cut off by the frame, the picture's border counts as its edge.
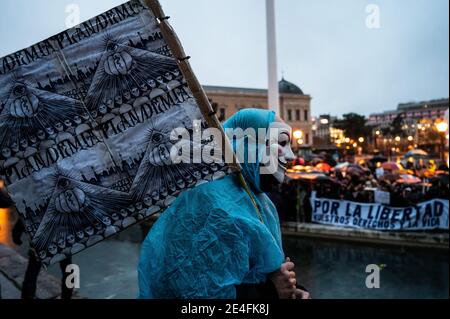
(274, 95)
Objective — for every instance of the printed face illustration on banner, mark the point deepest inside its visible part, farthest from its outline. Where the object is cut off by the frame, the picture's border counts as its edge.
(118, 62)
(70, 200)
(85, 123)
(24, 104)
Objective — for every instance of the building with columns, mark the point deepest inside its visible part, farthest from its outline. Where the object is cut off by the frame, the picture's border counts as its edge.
(295, 106)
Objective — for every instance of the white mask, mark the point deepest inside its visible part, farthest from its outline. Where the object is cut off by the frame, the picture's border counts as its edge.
(278, 152)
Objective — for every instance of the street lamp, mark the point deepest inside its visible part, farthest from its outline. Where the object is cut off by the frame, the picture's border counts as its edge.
(442, 128)
(361, 139)
(298, 134)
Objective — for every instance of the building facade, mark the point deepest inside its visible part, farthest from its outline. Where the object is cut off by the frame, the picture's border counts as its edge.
(324, 131)
(418, 126)
(412, 113)
(295, 106)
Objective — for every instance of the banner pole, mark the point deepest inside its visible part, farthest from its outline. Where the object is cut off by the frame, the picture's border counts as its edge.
(197, 90)
(183, 62)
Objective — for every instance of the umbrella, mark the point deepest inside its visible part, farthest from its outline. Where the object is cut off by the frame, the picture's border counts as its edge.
(298, 161)
(379, 159)
(304, 176)
(390, 166)
(323, 167)
(316, 160)
(390, 177)
(341, 166)
(324, 178)
(408, 179)
(345, 167)
(416, 153)
(355, 172)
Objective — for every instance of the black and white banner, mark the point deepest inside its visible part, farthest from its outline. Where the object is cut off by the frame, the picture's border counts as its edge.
(432, 214)
(85, 123)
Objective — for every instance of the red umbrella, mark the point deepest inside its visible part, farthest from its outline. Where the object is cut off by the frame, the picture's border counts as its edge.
(408, 179)
(298, 161)
(323, 167)
(390, 166)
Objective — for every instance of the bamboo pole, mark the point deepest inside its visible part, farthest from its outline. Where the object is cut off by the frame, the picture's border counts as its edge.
(199, 94)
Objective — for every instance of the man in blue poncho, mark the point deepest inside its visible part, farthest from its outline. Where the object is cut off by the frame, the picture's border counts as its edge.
(221, 239)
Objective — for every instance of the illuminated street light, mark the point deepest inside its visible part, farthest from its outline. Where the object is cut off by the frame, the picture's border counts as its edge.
(298, 134)
(410, 138)
(377, 132)
(361, 139)
(397, 138)
(442, 127)
(355, 145)
(347, 140)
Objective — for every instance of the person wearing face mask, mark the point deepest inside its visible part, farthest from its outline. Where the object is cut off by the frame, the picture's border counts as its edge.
(271, 184)
(222, 239)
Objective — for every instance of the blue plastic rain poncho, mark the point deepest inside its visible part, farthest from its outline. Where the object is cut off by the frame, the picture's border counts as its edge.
(211, 238)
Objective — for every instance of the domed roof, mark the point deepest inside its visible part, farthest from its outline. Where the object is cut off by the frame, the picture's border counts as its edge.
(288, 87)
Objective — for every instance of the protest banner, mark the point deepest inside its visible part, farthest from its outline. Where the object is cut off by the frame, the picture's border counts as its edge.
(86, 118)
(428, 215)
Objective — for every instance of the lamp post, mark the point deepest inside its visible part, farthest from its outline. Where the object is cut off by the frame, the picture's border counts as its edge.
(442, 128)
(361, 140)
(298, 136)
(377, 135)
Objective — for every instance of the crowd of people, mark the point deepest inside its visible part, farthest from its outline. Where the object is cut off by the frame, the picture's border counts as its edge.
(408, 182)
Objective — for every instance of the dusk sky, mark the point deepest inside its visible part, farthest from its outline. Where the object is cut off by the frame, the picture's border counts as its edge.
(324, 46)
